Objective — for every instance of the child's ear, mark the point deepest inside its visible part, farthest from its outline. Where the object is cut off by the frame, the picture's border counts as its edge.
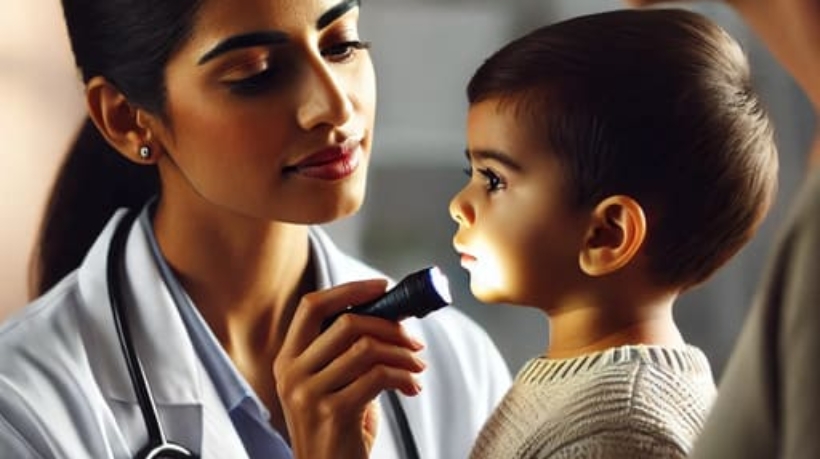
(616, 232)
(125, 127)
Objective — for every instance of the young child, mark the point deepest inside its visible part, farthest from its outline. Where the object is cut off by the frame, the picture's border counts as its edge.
(616, 160)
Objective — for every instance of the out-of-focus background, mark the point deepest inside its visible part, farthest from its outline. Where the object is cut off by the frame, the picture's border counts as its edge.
(424, 52)
(40, 107)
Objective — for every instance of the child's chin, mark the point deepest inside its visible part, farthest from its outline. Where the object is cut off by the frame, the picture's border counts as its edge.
(486, 295)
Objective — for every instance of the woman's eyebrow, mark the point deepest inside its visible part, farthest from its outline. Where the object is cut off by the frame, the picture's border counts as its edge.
(267, 38)
(335, 13)
(263, 38)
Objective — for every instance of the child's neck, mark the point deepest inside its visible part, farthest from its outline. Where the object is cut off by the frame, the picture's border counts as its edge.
(586, 329)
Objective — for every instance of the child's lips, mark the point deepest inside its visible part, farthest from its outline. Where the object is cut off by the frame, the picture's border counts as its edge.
(467, 260)
(461, 249)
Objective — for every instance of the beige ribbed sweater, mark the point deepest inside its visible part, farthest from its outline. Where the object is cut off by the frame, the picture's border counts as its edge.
(628, 402)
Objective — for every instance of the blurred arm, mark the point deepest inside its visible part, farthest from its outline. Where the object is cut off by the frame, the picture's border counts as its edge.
(791, 31)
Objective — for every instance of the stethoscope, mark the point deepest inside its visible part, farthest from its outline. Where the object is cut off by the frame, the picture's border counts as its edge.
(158, 445)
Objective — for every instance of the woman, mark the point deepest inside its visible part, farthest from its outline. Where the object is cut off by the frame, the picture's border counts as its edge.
(257, 117)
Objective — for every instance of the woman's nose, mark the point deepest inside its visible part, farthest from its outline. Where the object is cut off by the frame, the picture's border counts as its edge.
(325, 99)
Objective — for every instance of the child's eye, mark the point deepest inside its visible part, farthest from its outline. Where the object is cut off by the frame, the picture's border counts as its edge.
(493, 180)
(341, 52)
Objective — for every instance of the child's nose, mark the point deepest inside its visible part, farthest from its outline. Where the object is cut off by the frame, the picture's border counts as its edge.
(460, 211)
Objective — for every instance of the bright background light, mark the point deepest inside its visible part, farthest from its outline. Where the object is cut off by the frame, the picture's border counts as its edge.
(40, 107)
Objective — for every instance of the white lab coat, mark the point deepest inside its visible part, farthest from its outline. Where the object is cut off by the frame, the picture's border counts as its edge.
(65, 390)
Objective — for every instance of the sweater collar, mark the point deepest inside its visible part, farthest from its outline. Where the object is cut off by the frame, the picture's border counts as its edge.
(688, 359)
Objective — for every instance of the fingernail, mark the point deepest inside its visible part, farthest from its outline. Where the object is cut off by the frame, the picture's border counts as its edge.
(417, 345)
(416, 389)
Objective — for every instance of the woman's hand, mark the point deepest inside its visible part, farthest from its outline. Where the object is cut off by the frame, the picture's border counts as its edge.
(327, 381)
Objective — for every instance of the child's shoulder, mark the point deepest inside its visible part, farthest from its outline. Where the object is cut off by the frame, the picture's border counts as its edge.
(646, 397)
(624, 381)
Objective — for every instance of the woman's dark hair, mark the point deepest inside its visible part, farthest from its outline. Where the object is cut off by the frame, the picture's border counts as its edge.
(128, 42)
(655, 104)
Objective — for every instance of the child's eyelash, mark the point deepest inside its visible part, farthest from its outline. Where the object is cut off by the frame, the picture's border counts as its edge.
(494, 182)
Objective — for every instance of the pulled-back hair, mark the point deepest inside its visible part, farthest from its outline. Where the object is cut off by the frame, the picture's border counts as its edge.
(655, 104)
(129, 42)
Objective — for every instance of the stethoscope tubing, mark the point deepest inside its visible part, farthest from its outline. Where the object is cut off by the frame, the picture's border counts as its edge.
(158, 446)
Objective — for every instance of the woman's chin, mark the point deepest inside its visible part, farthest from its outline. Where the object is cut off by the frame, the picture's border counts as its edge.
(338, 207)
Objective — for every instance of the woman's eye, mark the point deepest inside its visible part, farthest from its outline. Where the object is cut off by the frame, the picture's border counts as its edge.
(252, 75)
(343, 51)
(493, 181)
(254, 84)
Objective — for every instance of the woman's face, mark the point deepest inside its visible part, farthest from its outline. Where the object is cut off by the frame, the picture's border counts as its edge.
(270, 111)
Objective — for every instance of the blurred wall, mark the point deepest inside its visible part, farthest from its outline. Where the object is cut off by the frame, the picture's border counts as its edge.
(424, 52)
(40, 106)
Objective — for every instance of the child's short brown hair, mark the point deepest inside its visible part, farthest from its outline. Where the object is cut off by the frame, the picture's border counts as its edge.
(655, 104)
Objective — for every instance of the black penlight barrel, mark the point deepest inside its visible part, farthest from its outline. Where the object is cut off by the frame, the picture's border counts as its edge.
(416, 295)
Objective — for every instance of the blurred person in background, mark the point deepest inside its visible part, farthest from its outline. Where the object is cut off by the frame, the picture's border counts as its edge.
(767, 406)
(40, 107)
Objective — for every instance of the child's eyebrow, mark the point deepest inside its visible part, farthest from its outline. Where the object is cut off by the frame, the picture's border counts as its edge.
(495, 155)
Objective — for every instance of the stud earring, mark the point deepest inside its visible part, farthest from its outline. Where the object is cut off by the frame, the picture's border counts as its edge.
(145, 152)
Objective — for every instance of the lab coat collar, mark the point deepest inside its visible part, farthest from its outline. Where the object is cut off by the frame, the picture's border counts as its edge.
(166, 352)
(186, 399)
(187, 404)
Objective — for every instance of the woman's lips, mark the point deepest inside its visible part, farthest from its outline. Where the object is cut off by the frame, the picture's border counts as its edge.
(329, 164)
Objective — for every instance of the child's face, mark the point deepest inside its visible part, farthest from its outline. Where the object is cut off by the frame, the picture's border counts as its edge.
(517, 235)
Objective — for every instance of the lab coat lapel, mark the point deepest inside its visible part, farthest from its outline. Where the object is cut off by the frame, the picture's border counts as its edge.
(333, 268)
(188, 405)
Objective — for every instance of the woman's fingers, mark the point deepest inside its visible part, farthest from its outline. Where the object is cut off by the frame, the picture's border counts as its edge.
(355, 347)
(327, 381)
(362, 357)
(347, 331)
(315, 307)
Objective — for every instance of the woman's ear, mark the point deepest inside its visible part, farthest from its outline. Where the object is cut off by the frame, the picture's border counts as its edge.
(124, 126)
(616, 233)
